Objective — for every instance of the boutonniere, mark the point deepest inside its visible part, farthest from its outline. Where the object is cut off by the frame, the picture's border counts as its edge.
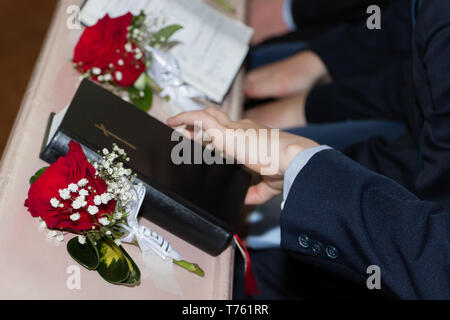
(113, 52)
(98, 201)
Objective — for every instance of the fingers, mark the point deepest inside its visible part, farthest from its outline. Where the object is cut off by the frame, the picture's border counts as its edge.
(193, 118)
(220, 116)
(295, 74)
(262, 83)
(260, 193)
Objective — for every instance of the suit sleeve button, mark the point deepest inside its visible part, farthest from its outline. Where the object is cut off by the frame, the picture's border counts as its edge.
(304, 241)
(332, 252)
(317, 247)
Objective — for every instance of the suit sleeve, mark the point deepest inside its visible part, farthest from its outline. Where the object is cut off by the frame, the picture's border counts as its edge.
(384, 95)
(353, 50)
(345, 218)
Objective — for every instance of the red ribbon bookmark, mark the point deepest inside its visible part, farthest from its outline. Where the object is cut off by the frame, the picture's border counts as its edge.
(251, 288)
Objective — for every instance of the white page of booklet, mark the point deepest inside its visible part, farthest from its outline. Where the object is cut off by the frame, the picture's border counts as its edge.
(212, 46)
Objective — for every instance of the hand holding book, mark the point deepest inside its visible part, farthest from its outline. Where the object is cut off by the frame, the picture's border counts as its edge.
(222, 133)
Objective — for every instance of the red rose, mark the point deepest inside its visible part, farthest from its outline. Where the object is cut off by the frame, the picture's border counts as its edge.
(45, 199)
(105, 46)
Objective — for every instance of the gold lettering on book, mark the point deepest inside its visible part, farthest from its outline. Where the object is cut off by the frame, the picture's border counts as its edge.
(108, 133)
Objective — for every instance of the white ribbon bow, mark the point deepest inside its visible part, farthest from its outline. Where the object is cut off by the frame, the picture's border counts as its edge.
(166, 72)
(146, 238)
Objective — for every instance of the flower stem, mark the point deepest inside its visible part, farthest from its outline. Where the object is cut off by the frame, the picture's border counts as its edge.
(192, 267)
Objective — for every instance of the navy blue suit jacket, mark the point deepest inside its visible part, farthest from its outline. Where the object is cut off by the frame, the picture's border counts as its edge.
(344, 218)
(401, 72)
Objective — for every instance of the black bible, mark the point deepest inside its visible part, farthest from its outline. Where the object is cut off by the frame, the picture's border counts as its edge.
(200, 203)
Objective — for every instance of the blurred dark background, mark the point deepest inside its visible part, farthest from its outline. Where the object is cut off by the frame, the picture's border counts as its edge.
(23, 26)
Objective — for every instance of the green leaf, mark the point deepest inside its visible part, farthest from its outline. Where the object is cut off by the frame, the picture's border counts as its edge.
(192, 267)
(138, 20)
(143, 102)
(113, 265)
(135, 273)
(37, 175)
(225, 5)
(165, 33)
(85, 254)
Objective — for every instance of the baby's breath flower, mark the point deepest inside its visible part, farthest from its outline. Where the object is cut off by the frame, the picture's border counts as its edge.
(119, 75)
(79, 203)
(104, 221)
(97, 200)
(113, 185)
(60, 237)
(64, 194)
(75, 217)
(106, 197)
(84, 192)
(82, 239)
(83, 182)
(52, 233)
(73, 187)
(42, 225)
(54, 202)
(128, 47)
(93, 210)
